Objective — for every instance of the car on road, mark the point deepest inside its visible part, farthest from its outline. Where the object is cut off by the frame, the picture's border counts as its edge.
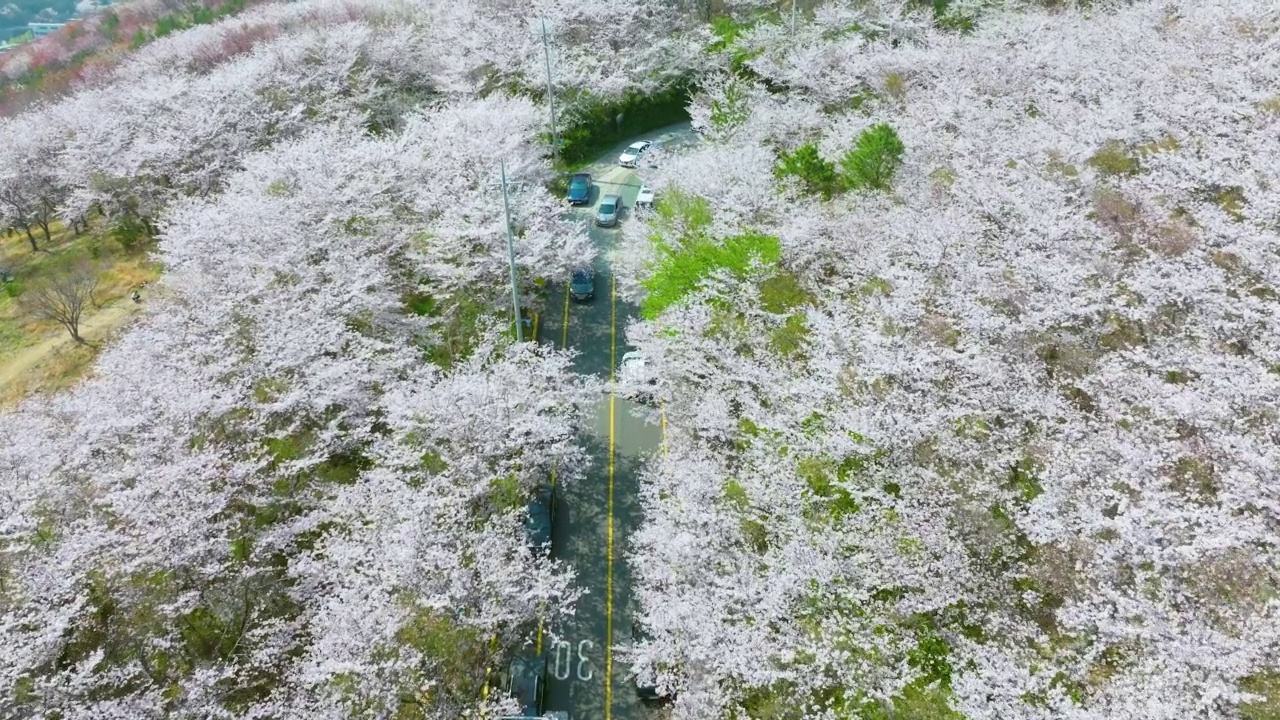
(582, 284)
(647, 687)
(580, 189)
(645, 198)
(609, 210)
(631, 156)
(540, 515)
(637, 385)
(527, 683)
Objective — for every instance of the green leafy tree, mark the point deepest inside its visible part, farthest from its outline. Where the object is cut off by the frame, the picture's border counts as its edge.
(871, 163)
(816, 174)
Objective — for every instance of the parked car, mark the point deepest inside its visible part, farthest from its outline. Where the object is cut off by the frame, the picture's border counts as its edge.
(527, 683)
(541, 514)
(607, 213)
(647, 687)
(582, 284)
(645, 198)
(631, 156)
(580, 189)
(631, 373)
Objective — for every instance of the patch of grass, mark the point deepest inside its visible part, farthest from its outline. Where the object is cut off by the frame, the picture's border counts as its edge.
(1167, 143)
(788, 340)
(1270, 105)
(783, 292)
(1114, 159)
(896, 86)
(1266, 685)
(1056, 165)
(1229, 197)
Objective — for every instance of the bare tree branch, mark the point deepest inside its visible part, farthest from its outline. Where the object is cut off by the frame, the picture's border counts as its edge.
(62, 298)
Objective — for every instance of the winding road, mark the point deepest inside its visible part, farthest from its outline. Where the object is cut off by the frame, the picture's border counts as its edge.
(597, 514)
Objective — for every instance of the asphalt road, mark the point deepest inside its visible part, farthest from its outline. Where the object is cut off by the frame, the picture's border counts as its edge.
(597, 514)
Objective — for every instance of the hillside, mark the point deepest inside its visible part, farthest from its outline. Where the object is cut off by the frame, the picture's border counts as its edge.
(939, 382)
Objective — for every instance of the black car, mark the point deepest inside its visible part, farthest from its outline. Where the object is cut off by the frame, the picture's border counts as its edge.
(582, 284)
(580, 189)
(541, 512)
(647, 690)
(527, 683)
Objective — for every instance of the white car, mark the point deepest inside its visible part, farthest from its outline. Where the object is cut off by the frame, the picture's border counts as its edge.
(636, 384)
(645, 198)
(631, 156)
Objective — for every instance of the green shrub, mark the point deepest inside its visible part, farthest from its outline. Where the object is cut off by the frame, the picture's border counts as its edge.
(13, 288)
(679, 271)
(871, 163)
(817, 175)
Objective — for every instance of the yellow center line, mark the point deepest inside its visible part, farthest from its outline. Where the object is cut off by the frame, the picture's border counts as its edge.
(564, 333)
(662, 423)
(608, 592)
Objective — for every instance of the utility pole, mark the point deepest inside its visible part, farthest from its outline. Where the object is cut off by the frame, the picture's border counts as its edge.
(551, 99)
(793, 17)
(511, 256)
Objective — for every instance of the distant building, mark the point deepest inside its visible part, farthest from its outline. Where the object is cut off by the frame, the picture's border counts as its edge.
(42, 29)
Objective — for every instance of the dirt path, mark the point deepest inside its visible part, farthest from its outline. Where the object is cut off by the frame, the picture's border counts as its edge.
(23, 368)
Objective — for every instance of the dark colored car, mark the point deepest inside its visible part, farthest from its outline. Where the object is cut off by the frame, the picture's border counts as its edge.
(580, 189)
(646, 691)
(582, 284)
(541, 514)
(527, 683)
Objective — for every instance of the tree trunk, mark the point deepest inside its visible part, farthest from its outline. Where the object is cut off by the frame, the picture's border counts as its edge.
(45, 227)
(32, 238)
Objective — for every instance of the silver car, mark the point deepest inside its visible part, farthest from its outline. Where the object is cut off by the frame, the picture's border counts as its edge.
(607, 213)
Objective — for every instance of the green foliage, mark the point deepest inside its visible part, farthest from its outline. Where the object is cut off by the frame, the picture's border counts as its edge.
(458, 655)
(1022, 478)
(726, 31)
(595, 128)
(13, 288)
(869, 165)
(931, 658)
(914, 703)
(817, 474)
(679, 270)
(733, 110)
(1265, 684)
(458, 329)
(788, 340)
(505, 494)
(736, 495)
(872, 162)
(110, 23)
(682, 213)
(132, 232)
(816, 175)
(782, 292)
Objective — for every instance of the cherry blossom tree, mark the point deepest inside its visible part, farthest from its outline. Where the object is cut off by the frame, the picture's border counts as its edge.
(995, 442)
